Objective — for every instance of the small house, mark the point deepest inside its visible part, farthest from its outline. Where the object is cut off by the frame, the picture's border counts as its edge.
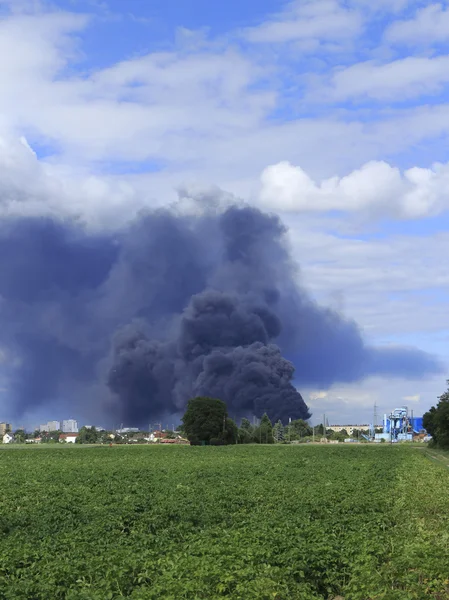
(70, 438)
(8, 438)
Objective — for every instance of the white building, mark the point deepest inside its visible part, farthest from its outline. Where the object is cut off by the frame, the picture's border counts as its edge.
(128, 430)
(70, 426)
(70, 438)
(348, 428)
(54, 425)
(8, 438)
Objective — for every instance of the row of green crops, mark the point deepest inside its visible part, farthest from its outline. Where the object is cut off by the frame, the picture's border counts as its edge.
(235, 522)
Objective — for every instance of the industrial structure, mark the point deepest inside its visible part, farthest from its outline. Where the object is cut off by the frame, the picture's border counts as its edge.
(400, 426)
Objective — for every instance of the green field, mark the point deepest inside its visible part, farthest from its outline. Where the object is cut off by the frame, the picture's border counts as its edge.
(247, 522)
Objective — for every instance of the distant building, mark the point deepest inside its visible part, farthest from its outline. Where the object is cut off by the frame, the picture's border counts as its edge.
(348, 428)
(43, 427)
(70, 426)
(70, 438)
(8, 438)
(4, 428)
(54, 425)
(128, 430)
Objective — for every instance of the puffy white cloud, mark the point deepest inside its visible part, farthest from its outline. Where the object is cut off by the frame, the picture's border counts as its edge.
(29, 187)
(429, 25)
(377, 188)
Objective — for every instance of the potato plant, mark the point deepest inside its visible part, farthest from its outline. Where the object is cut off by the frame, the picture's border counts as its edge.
(238, 522)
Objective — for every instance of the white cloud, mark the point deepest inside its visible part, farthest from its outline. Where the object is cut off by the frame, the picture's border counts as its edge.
(376, 187)
(353, 404)
(398, 80)
(320, 20)
(414, 398)
(430, 25)
(32, 187)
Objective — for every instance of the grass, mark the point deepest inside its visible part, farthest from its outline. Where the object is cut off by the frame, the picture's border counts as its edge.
(246, 522)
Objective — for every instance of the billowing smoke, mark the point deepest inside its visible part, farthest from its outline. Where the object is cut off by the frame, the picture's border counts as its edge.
(128, 325)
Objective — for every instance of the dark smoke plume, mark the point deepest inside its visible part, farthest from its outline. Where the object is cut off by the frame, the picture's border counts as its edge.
(167, 308)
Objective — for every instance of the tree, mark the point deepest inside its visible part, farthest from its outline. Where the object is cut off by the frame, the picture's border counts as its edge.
(298, 429)
(436, 421)
(319, 429)
(20, 436)
(245, 433)
(246, 425)
(207, 419)
(87, 435)
(278, 432)
(263, 434)
(245, 436)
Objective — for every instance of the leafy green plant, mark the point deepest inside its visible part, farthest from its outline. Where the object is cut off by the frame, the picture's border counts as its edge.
(241, 522)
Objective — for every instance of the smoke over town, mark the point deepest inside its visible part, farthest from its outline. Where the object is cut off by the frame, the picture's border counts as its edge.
(130, 324)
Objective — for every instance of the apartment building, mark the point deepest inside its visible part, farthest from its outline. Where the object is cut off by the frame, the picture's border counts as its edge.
(4, 428)
(348, 428)
(70, 426)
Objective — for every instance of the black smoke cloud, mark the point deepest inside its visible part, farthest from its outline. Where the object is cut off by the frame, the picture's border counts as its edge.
(128, 325)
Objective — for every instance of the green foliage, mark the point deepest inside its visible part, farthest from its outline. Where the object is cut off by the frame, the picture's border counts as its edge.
(319, 430)
(246, 425)
(436, 421)
(20, 436)
(206, 421)
(278, 432)
(263, 434)
(298, 429)
(185, 523)
(87, 435)
(245, 432)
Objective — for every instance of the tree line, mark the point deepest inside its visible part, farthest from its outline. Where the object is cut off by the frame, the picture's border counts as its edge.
(436, 421)
(206, 421)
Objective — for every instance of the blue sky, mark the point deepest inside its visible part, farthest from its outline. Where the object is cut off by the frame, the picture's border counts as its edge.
(334, 114)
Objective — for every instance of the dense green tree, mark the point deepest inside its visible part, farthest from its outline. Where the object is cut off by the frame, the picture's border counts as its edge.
(87, 435)
(263, 434)
(20, 436)
(206, 420)
(245, 436)
(436, 421)
(245, 433)
(231, 432)
(297, 430)
(319, 430)
(246, 424)
(278, 432)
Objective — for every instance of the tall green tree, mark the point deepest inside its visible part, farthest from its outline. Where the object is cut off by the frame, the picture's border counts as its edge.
(20, 436)
(436, 421)
(206, 419)
(278, 432)
(245, 432)
(87, 435)
(297, 429)
(263, 434)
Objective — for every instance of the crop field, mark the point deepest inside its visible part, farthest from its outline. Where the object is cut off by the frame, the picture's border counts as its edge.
(240, 522)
